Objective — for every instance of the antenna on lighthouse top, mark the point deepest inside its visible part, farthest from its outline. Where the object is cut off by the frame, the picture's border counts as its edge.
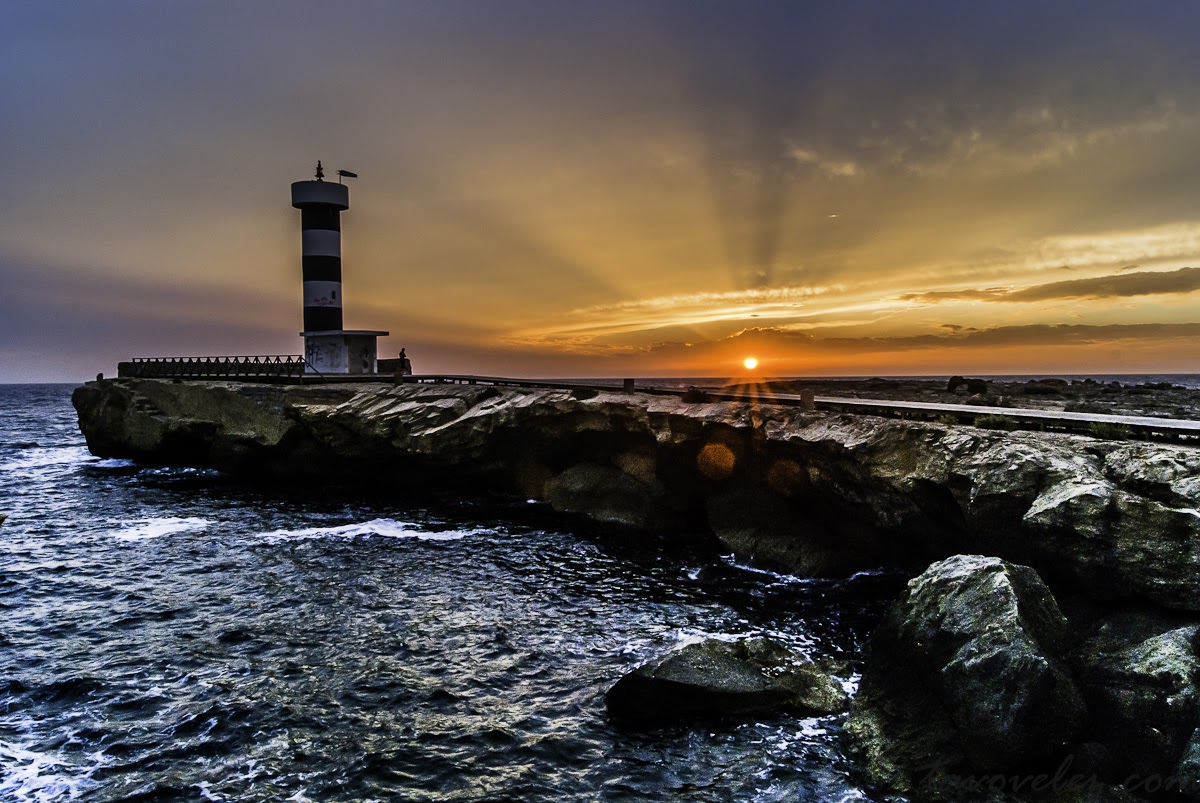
(320, 171)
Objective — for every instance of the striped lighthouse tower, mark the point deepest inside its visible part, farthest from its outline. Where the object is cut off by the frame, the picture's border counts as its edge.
(321, 204)
(328, 348)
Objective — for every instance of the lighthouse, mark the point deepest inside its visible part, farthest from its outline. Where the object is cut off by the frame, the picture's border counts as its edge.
(328, 348)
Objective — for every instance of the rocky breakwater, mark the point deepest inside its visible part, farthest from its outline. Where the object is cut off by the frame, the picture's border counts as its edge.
(802, 492)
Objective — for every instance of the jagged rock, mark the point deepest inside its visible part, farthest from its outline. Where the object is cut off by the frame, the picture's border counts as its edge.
(1043, 388)
(968, 674)
(218, 424)
(720, 678)
(610, 495)
(1142, 700)
(767, 530)
(1187, 773)
(801, 491)
(973, 386)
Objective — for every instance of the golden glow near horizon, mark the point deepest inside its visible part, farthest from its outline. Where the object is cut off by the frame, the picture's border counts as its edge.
(585, 193)
(750, 363)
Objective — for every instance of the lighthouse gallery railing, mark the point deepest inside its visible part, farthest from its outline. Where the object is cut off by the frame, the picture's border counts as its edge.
(271, 365)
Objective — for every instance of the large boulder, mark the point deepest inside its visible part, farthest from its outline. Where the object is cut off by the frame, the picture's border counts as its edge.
(1114, 520)
(223, 425)
(1116, 540)
(774, 532)
(720, 678)
(967, 674)
(610, 495)
(1142, 698)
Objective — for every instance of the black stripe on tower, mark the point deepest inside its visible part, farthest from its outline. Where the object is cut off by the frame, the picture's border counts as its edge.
(322, 319)
(321, 269)
(320, 216)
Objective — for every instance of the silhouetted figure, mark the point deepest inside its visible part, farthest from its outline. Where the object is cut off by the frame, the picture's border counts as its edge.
(405, 364)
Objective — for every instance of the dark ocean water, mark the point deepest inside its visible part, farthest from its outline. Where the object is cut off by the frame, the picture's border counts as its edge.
(169, 634)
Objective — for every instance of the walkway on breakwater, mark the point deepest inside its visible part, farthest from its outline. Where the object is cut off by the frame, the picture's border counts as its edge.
(289, 371)
(1098, 424)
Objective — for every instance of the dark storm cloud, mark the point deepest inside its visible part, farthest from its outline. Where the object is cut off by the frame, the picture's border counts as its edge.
(801, 344)
(995, 337)
(1121, 285)
(1070, 334)
(1183, 280)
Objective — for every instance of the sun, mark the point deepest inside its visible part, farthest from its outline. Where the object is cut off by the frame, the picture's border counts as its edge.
(751, 363)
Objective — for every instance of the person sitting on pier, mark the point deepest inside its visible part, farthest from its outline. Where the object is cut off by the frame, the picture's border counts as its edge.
(405, 364)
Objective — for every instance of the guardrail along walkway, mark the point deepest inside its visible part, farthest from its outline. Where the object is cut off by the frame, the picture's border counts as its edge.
(270, 366)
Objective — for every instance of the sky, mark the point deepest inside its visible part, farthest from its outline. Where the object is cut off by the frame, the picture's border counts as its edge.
(616, 189)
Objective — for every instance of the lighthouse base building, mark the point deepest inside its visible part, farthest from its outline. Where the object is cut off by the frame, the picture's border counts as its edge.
(341, 352)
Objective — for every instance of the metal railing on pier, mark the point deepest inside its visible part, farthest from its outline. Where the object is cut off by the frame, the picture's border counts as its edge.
(279, 366)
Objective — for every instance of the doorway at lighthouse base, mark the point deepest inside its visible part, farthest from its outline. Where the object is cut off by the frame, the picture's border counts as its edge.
(341, 352)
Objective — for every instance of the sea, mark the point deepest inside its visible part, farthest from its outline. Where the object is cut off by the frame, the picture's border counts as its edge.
(176, 634)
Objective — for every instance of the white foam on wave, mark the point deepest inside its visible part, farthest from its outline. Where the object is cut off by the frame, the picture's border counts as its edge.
(380, 528)
(27, 776)
(28, 461)
(732, 562)
(811, 727)
(158, 527)
(113, 462)
(688, 636)
(683, 637)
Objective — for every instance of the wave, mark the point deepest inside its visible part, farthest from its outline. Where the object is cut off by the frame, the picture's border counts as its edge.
(113, 462)
(732, 562)
(30, 460)
(382, 528)
(158, 527)
(30, 776)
